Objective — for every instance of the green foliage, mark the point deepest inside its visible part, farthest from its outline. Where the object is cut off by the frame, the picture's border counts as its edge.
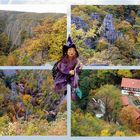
(124, 26)
(102, 44)
(4, 44)
(37, 99)
(34, 127)
(91, 80)
(87, 125)
(90, 9)
(125, 73)
(42, 37)
(24, 35)
(85, 52)
(110, 95)
(103, 85)
(124, 51)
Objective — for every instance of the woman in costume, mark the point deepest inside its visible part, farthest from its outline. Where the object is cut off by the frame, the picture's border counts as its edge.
(68, 69)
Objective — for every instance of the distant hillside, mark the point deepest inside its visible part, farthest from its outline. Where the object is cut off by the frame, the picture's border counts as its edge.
(18, 24)
(17, 27)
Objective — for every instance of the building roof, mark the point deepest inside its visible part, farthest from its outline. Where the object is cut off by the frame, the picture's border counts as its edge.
(130, 83)
(125, 100)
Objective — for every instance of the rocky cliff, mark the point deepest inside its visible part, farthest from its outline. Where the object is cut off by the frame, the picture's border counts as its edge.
(18, 25)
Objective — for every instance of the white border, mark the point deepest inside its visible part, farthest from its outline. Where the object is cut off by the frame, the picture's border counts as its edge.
(69, 3)
(84, 68)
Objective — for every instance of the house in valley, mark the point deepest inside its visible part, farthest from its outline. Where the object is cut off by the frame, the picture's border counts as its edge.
(130, 86)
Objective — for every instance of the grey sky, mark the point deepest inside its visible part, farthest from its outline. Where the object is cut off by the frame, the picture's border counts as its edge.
(71, 1)
(31, 1)
(39, 8)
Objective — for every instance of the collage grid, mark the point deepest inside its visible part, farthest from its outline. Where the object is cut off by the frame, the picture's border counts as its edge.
(69, 3)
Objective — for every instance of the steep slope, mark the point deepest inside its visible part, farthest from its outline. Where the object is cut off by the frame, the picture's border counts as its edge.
(107, 35)
(26, 38)
(18, 25)
(29, 105)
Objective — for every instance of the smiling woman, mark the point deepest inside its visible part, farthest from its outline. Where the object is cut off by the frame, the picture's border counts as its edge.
(68, 68)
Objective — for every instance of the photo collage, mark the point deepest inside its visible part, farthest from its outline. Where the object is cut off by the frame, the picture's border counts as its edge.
(70, 69)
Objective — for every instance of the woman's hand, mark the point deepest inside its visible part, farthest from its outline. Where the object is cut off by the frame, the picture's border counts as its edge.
(71, 72)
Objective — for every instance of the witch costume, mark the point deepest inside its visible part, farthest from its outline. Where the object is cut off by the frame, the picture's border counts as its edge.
(64, 66)
(63, 77)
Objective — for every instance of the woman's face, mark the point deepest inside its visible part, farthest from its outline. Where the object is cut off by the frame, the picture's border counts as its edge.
(71, 52)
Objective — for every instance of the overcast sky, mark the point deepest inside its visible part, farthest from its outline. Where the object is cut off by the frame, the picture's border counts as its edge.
(49, 8)
(31, 1)
(65, 1)
(58, 6)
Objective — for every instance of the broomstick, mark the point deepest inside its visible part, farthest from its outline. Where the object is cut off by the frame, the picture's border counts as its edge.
(76, 78)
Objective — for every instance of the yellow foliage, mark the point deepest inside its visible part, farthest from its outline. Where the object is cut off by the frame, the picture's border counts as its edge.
(123, 25)
(124, 73)
(105, 132)
(78, 110)
(138, 38)
(11, 60)
(1, 99)
(41, 29)
(128, 117)
(102, 44)
(3, 60)
(26, 98)
(45, 45)
(119, 133)
(3, 89)
(58, 128)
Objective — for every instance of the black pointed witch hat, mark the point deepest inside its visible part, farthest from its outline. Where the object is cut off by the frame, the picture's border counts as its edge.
(69, 44)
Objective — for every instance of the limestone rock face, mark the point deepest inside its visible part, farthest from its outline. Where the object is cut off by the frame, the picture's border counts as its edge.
(15, 30)
(109, 31)
(79, 22)
(19, 25)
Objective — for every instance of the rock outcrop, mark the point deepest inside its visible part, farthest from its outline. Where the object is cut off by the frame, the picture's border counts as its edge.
(19, 25)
